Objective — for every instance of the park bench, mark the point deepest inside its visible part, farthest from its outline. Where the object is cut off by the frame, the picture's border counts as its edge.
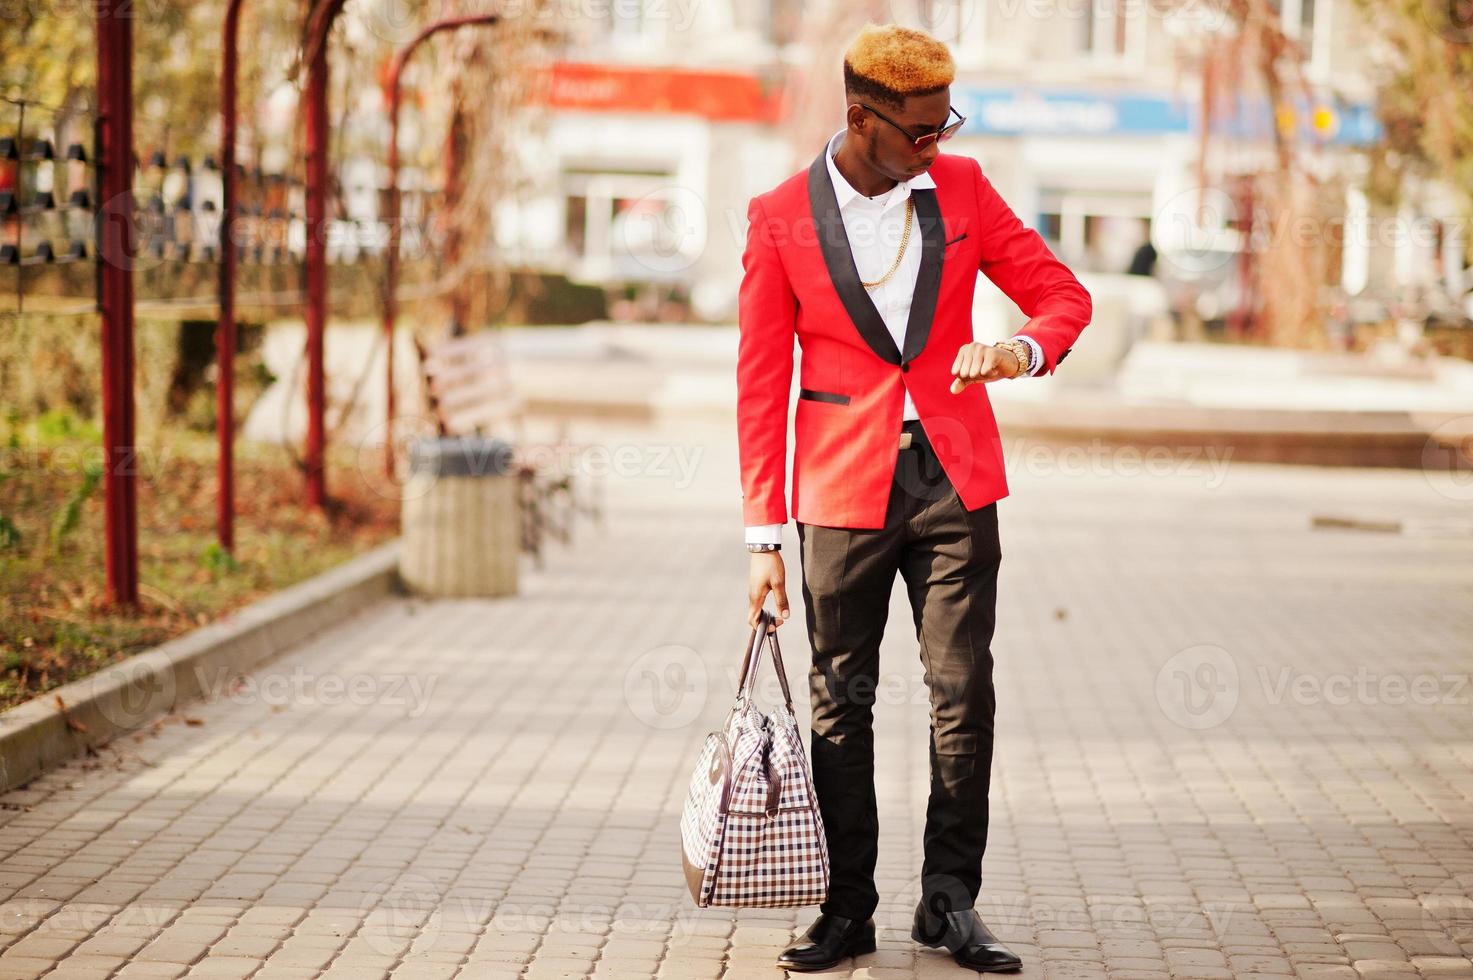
(468, 391)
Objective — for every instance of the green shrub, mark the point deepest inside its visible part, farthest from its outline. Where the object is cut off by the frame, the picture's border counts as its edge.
(66, 520)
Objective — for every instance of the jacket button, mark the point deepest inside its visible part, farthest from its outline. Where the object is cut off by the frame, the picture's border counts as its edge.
(905, 367)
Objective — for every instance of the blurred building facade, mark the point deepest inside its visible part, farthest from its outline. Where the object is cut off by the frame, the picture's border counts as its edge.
(663, 118)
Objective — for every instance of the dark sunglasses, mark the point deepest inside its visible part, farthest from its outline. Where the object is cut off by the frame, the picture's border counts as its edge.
(919, 143)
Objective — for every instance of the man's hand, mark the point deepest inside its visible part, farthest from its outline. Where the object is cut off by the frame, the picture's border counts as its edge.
(764, 575)
(982, 363)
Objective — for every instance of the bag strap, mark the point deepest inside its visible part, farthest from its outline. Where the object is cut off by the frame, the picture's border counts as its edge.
(750, 661)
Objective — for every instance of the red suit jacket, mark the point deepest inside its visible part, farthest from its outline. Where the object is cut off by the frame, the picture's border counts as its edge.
(799, 279)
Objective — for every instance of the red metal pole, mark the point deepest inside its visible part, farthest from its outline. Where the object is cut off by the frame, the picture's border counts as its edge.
(391, 258)
(316, 141)
(454, 190)
(225, 332)
(391, 267)
(115, 255)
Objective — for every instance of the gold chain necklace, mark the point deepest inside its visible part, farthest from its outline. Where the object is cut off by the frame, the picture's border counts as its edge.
(904, 241)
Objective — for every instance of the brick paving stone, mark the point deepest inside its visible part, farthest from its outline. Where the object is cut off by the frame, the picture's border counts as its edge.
(152, 971)
(225, 966)
(1148, 963)
(1213, 758)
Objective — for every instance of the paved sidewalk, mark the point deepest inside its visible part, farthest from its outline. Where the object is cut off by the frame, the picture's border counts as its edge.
(1230, 745)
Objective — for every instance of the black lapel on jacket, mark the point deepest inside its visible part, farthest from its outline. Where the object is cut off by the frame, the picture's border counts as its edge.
(834, 243)
(928, 279)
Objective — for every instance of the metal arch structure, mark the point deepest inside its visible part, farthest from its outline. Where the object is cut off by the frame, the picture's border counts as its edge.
(391, 257)
(225, 331)
(116, 249)
(319, 22)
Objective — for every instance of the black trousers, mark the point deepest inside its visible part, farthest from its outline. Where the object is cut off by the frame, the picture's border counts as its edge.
(949, 558)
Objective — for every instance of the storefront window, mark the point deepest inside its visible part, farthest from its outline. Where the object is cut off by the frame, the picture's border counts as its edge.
(618, 223)
(575, 228)
(1094, 231)
(1112, 30)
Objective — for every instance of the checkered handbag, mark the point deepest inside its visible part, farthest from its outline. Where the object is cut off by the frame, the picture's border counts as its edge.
(751, 834)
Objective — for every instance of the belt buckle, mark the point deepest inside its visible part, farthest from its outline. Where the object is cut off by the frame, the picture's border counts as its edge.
(905, 438)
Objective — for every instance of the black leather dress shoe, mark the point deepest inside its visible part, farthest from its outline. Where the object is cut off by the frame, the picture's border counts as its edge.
(827, 941)
(970, 942)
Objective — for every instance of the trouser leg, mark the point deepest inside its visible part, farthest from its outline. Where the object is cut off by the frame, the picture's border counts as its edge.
(950, 565)
(848, 575)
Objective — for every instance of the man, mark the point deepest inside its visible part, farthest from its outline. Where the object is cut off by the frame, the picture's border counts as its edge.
(869, 257)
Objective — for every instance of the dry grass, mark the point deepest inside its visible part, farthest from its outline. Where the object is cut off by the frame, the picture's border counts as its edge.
(55, 621)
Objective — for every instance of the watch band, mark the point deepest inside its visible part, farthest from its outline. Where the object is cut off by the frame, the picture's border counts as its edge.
(1023, 352)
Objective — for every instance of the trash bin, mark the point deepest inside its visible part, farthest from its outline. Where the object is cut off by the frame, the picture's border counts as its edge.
(460, 519)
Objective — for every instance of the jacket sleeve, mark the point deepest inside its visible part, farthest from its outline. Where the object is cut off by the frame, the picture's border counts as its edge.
(1016, 259)
(767, 321)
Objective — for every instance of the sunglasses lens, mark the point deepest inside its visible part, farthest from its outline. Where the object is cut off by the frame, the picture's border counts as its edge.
(941, 137)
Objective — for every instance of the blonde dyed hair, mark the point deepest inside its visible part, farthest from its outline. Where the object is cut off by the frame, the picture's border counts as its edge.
(890, 62)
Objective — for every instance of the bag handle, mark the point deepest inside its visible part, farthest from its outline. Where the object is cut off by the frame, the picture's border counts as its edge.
(750, 661)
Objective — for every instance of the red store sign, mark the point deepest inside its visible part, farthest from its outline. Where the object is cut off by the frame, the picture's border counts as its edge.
(716, 95)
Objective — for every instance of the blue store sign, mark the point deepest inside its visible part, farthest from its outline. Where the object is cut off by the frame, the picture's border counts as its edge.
(1046, 112)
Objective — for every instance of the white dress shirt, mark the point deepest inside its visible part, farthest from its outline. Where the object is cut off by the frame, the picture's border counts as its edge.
(875, 227)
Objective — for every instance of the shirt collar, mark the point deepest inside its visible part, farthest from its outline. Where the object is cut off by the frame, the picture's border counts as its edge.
(845, 192)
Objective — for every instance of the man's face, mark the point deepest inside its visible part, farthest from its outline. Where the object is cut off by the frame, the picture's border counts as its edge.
(890, 148)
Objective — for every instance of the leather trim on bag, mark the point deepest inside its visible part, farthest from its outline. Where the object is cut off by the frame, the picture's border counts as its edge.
(726, 775)
(774, 788)
(693, 876)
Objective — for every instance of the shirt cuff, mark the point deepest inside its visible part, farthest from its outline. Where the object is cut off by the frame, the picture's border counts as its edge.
(1037, 354)
(765, 534)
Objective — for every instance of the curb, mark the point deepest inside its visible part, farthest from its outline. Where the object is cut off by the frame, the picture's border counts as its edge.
(1306, 437)
(122, 697)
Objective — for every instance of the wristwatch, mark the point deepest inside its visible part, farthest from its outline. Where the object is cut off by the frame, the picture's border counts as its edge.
(758, 548)
(1022, 351)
